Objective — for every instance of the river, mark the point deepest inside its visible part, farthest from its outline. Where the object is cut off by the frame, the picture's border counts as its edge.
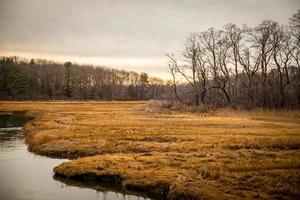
(27, 176)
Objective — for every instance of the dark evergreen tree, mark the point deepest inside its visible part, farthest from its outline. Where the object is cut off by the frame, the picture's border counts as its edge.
(68, 79)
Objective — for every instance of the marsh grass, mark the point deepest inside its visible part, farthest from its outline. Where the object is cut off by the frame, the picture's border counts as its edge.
(171, 153)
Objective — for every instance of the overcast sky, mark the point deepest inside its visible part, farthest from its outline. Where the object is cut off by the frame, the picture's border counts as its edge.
(126, 34)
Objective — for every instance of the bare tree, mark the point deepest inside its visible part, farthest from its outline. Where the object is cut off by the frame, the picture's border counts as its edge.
(173, 66)
(188, 70)
(202, 71)
(250, 65)
(283, 50)
(217, 45)
(235, 35)
(262, 41)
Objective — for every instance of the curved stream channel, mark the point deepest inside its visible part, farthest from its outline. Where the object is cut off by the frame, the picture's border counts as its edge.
(24, 175)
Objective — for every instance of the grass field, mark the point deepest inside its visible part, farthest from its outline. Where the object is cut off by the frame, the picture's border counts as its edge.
(226, 154)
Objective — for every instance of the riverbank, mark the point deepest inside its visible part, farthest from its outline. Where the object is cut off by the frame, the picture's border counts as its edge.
(224, 155)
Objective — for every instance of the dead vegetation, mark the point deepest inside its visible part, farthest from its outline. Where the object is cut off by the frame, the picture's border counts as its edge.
(171, 154)
(165, 106)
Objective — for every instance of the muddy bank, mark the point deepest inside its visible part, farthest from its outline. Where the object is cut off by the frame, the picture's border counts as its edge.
(118, 183)
(114, 183)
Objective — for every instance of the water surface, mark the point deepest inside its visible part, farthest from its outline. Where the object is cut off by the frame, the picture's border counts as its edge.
(24, 175)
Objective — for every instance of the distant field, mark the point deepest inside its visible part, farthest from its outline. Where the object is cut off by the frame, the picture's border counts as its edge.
(170, 155)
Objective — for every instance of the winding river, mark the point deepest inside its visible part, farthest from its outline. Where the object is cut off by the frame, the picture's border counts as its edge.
(24, 175)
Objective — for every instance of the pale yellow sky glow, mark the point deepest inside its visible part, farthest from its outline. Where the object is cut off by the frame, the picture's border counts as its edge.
(152, 65)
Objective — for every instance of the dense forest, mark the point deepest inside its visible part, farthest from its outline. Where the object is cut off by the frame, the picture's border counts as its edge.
(236, 66)
(240, 66)
(39, 79)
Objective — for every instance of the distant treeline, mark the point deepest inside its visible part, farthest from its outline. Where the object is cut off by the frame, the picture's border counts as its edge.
(39, 79)
(240, 66)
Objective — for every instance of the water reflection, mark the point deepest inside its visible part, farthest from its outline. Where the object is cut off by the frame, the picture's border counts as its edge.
(25, 175)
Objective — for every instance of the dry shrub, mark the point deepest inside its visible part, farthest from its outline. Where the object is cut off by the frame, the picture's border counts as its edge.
(164, 106)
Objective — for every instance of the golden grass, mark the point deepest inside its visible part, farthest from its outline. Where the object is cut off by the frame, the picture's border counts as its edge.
(221, 155)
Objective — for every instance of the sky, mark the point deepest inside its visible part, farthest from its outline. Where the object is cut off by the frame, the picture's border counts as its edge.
(126, 34)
